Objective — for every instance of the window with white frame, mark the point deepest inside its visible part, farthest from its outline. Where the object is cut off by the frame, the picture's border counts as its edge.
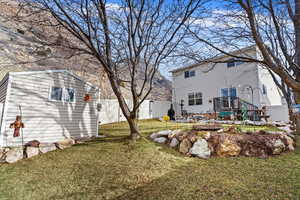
(188, 74)
(195, 98)
(62, 94)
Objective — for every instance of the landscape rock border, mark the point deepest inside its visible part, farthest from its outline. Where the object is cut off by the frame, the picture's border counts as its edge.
(226, 142)
(34, 148)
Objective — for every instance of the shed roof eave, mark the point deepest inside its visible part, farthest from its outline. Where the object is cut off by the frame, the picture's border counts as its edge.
(54, 71)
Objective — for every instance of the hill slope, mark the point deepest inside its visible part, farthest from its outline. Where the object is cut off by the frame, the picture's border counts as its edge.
(22, 48)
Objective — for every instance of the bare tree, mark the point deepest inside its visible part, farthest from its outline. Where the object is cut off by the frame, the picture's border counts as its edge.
(123, 38)
(271, 25)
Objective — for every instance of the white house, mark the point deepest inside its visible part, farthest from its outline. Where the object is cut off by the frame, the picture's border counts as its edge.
(196, 86)
(53, 105)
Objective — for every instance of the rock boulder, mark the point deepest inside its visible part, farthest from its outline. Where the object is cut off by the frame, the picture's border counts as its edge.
(31, 151)
(289, 142)
(185, 146)
(160, 140)
(279, 147)
(228, 148)
(174, 133)
(46, 147)
(67, 141)
(153, 136)
(164, 133)
(174, 143)
(200, 149)
(14, 155)
(33, 143)
(160, 134)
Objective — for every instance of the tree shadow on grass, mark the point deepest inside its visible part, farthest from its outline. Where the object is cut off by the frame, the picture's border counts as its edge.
(107, 139)
(204, 179)
(185, 182)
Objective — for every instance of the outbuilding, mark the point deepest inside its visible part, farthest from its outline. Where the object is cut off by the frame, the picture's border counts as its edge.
(47, 106)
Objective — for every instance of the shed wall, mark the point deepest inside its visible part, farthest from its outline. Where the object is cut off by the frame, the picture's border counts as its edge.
(46, 120)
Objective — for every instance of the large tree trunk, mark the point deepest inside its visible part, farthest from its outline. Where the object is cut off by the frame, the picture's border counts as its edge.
(131, 117)
(134, 131)
(297, 57)
(297, 116)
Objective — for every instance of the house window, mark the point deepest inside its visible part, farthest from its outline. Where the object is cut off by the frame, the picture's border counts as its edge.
(195, 98)
(264, 89)
(192, 73)
(230, 63)
(198, 97)
(56, 93)
(188, 74)
(69, 95)
(225, 92)
(232, 92)
(191, 97)
(62, 94)
(233, 63)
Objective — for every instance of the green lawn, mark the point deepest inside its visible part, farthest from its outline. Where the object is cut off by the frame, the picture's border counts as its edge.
(115, 168)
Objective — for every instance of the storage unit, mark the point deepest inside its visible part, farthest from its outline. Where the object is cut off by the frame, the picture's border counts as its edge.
(53, 104)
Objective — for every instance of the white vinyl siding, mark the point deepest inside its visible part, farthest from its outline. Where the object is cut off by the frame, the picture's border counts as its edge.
(46, 120)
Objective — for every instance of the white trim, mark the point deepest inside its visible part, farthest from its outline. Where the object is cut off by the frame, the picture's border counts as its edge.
(53, 71)
(5, 112)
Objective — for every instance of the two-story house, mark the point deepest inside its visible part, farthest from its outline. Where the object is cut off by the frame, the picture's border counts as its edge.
(196, 86)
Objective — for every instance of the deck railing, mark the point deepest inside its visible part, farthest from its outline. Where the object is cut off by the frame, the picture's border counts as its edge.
(235, 105)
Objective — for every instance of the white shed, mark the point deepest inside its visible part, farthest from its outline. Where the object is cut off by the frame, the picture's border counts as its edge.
(53, 105)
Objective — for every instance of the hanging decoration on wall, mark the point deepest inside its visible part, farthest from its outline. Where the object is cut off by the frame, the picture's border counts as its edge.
(87, 97)
(17, 125)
